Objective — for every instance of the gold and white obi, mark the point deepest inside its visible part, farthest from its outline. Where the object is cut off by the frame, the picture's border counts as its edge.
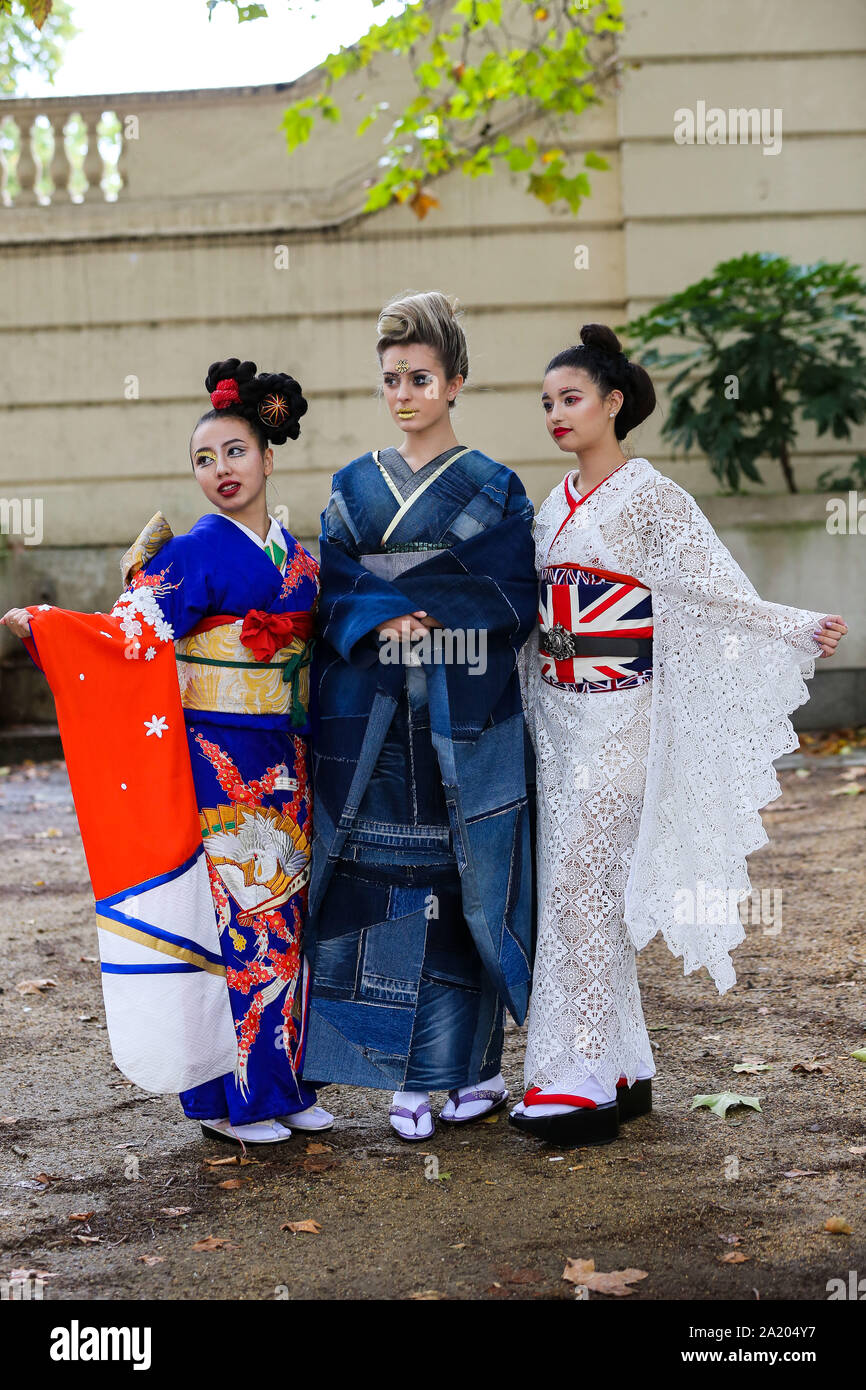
(217, 672)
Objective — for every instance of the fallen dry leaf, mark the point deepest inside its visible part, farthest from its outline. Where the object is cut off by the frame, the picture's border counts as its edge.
(87, 1240)
(18, 1274)
(80, 1215)
(838, 1225)
(427, 1296)
(231, 1183)
(857, 1149)
(9, 1119)
(731, 1240)
(214, 1243)
(312, 1227)
(801, 1173)
(35, 986)
(319, 1164)
(314, 1147)
(151, 1259)
(490, 1120)
(175, 1211)
(734, 1257)
(616, 1282)
(809, 1067)
(47, 1178)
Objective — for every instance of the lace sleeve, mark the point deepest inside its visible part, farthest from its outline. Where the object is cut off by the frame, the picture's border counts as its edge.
(676, 548)
(728, 670)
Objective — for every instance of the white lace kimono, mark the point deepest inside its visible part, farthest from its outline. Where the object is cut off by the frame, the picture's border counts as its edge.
(649, 796)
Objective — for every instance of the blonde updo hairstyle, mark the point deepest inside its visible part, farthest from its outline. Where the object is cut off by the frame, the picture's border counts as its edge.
(430, 319)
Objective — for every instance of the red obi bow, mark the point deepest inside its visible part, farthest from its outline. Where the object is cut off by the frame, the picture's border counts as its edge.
(264, 633)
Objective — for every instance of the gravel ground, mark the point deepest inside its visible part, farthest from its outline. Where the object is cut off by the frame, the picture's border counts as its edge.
(677, 1193)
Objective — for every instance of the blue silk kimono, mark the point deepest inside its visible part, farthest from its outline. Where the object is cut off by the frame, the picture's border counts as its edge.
(421, 901)
(246, 710)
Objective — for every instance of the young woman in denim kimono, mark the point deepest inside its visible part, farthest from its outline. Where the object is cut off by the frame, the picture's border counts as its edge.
(421, 895)
(658, 695)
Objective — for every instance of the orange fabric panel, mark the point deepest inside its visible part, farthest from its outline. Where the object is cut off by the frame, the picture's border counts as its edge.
(133, 789)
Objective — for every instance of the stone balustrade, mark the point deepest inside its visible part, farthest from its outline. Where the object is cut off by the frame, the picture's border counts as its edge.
(55, 151)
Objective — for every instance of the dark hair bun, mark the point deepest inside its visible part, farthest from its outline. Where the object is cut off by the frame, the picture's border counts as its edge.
(601, 338)
(271, 401)
(600, 354)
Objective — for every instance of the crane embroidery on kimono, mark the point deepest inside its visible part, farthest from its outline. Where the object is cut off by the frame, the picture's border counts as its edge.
(259, 858)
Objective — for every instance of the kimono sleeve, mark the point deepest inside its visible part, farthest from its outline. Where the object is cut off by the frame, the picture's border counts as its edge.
(176, 585)
(684, 559)
(728, 671)
(352, 600)
(518, 503)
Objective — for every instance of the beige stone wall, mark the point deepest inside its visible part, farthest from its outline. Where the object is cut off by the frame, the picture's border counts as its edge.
(180, 270)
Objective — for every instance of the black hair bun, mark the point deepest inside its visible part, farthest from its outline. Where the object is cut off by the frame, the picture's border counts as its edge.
(279, 406)
(601, 338)
(272, 401)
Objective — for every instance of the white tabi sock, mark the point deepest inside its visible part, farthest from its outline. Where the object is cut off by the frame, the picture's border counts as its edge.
(260, 1132)
(590, 1089)
(469, 1109)
(410, 1100)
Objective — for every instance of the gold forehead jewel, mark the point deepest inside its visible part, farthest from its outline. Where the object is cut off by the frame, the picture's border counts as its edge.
(402, 365)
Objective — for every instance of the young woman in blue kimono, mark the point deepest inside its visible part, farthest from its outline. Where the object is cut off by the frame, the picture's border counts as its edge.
(235, 596)
(421, 896)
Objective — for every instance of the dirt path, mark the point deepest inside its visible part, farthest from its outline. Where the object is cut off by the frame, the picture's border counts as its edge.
(504, 1213)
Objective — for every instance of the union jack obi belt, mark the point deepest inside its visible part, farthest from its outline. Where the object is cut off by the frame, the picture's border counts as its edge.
(596, 629)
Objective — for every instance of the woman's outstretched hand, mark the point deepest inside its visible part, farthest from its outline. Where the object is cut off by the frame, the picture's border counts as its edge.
(832, 629)
(18, 622)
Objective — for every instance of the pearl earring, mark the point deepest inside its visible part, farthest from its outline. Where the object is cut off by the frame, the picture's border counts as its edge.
(612, 413)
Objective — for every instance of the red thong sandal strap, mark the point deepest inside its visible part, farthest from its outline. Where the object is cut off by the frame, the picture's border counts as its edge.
(534, 1097)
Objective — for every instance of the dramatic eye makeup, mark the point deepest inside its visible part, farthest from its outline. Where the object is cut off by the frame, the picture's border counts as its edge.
(205, 456)
(568, 399)
(420, 378)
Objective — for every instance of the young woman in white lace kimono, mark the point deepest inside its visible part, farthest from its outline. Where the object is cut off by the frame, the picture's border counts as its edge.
(657, 689)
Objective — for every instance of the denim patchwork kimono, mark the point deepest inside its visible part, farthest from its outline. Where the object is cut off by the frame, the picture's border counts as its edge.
(421, 899)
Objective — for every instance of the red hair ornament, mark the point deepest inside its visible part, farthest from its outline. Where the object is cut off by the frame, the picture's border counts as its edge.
(226, 393)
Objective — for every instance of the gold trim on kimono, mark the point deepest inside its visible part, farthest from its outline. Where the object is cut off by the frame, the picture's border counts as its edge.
(157, 943)
(218, 673)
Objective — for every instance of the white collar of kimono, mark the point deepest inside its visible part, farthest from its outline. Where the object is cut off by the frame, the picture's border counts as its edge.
(274, 534)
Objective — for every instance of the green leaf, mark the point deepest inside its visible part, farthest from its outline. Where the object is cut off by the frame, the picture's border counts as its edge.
(722, 1101)
(860, 1054)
